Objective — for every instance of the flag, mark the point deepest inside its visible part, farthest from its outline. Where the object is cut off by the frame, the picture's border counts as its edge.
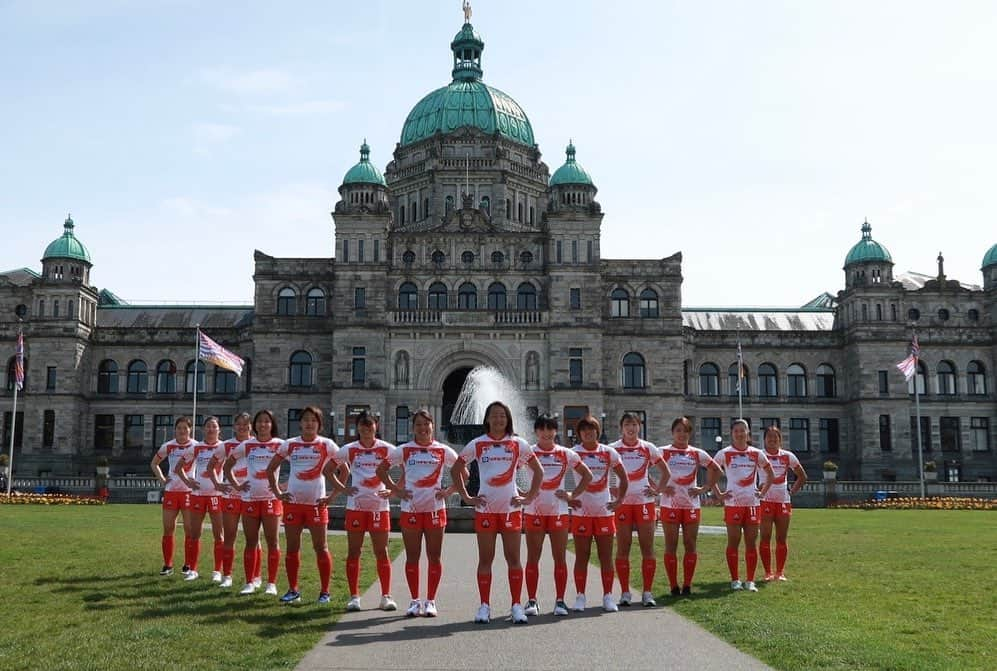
(19, 362)
(210, 351)
(909, 365)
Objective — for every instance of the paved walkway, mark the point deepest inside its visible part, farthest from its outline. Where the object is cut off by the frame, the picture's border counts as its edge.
(635, 638)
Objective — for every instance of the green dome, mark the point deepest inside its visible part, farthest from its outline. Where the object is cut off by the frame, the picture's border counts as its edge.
(867, 250)
(571, 172)
(364, 172)
(990, 259)
(67, 246)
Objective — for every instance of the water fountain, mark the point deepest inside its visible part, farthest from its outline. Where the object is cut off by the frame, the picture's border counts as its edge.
(483, 386)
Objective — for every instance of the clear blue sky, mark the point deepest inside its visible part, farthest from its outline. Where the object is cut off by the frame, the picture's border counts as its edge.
(752, 137)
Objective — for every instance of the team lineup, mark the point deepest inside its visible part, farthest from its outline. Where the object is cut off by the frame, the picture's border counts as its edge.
(619, 488)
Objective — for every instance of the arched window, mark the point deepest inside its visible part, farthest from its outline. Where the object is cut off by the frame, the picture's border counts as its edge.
(526, 258)
(943, 314)
(467, 257)
(438, 296)
(467, 297)
(633, 371)
(401, 214)
(315, 302)
(425, 208)
(498, 258)
(408, 297)
(709, 380)
(826, 387)
(496, 296)
(300, 370)
(921, 377)
(408, 258)
(768, 380)
(138, 377)
(648, 303)
(226, 381)
(976, 378)
(486, 204)
(913, 314)
(188, 386)
(287, 300)
(107, 377)
(448, 205)
(526, 297)
(438, 258)
(946, 378)
(166, 377)
(619, 303)
(797, 378)
(735, 381)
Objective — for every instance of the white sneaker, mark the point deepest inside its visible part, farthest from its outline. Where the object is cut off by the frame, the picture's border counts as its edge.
(257, 582)
(518, 615)
(736, 585)
(414, 608)
(248, 589)
(353, 604)
(226, 581)
(579, 603)
(429, 608)
(216, 576)
(532, 608)
(484, 615)
(387, 603)
(625, 599)
(271, 589)
(750, 586)
(608, 604)
(647, 600)
(191, 575)
(560, 609)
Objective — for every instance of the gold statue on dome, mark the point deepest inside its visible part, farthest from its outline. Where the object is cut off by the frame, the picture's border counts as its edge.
(467, 11)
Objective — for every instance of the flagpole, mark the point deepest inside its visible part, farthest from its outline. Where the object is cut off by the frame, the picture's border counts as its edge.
(197, 361)
(13, 419)
(917, 415)
(740, 376)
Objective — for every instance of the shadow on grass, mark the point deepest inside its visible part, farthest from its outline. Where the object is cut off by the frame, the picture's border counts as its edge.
(93, 580)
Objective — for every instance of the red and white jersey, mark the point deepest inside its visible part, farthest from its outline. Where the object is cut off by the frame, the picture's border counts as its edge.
(307, 459)
(742, 468)
(172, 452)
(684, 466)
(363, 474)
(222, 452)
(636, 460)
(782, 462)
(556, 463)
(498, 461)
(423, 473)
(601, 462)
(257, 455)
(200, 454)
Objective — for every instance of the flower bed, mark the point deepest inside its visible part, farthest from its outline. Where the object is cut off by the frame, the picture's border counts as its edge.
(51, 499)
(928, 503)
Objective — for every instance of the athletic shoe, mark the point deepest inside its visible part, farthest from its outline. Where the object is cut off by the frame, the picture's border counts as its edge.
(736, 585)
(191, 575)
(353, 604)
(769, 577)
(323, 598)
(532, 608)
(647, 600)
(579, 603)
(484, 615)
(290, 597)
(414, 609)
(676, 591)
(429, 608)
(608, 604)
(560, 608)
(517, 614)
(257, 583)
(185, 569)
(781, 578)
(166, 570)
(387, 603)
(625, 599)
(226, 581)
(216, 576)
(271, 589)
(249, 588)
(750, 586)
(687, 590)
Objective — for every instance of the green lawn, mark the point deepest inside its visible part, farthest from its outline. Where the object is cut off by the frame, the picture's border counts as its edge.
(82, 591)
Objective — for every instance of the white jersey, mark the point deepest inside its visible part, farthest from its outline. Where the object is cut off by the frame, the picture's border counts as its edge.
(637, 460)
(200, 454)
(423, 474)
(172, 451)
(222, 451)
(257, 455)
(782, 462)
(601, 462)
(556, 462)
(498, 461)
(684, 466)
(363, 463)
(307, 459)
(742, 468)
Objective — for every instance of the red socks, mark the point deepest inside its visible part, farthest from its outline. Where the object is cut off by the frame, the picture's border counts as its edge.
(607, 580)
(168, 543)
(435, 576)
(384, 575)
(532, 574)
(412, 576)
(623, 571)
(219, 555)
(732, 563)
(560, 580)
(192, 551)
(647, 570)
(228, 559)
(353, 576)
(485, 587)
(273, 564)
(689, 568)
(292, 562)
(249, 560)
(324, 561)
(516, 584)
(766, 552)
(751, 561)
(258, 566)
(672, 569)
(581, 577)
(781, 552)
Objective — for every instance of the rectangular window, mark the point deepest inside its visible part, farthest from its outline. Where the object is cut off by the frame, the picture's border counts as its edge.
(885, 434)
(573, 413)
(575, 367)
(925, 434)
(951, 437)
(50, 378)
(293, 417)
(884, 383)
(589, 253)
(226, 381)
(162, 429)
(377, 251)
(134, 431)
(103, 432)
(829, 436)
(359, 368)
(574, 251)
(558, 251)
(575, 298)
(799, 434)
(979, 430)
(48, 429)
(346, 251)
(401, 424)
(360, 298)
(771, 421)
(18, 430)
(360, 251)
(709, 430)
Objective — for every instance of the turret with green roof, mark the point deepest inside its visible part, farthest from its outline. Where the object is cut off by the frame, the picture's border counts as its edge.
(867, 250)
(571, 172)
(67, 246)
(364, 172)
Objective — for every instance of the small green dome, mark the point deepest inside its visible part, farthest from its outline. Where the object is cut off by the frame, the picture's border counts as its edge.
(571, 172)
(67, 246)
(990, 259)
(867, 250)
(364, 172)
